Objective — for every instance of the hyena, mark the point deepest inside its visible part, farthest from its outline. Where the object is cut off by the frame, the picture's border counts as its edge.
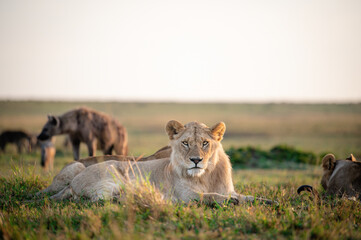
(20, 138)
(88, 126)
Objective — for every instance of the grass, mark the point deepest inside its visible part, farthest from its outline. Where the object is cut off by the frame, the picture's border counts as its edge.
(312, 128)
(143, 216)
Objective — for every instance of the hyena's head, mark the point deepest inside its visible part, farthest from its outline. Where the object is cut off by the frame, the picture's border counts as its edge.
(51, 128)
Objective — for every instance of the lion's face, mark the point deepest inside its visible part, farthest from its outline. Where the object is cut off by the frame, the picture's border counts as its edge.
(194, 146)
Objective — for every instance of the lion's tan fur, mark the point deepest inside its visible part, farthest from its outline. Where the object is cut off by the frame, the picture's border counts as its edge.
(164, 152)
(179, 178)
(341, 177)
(68, 173)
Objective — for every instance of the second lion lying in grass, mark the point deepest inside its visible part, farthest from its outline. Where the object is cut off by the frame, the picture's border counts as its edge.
(68, 173)
(198, 169)
(340, 178)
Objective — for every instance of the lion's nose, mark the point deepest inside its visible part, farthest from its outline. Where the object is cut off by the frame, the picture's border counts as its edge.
(196, 160)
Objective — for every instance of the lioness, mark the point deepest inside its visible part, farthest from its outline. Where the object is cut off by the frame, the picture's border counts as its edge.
(164, 152)
(340, 177)
(67, 174)
(198, 168)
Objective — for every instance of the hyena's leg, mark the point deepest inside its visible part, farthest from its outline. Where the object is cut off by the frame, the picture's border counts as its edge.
(2, 146)
(92, 147)
(121, 145)
(43, 157)
(125, 150)
(109, 150)
(18, 144)
(76, 145)
(28, 145)
(122, 148)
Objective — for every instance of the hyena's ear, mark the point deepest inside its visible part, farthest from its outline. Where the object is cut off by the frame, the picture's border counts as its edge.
(328, 162)
(352, 158)
(54, 120)
(173, 127)
(218, 131)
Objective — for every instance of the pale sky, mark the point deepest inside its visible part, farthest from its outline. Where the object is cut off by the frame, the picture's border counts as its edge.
(197, 50)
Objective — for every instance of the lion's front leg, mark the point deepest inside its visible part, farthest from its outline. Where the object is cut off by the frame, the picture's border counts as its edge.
(210, 198)
(251, 199)
(244, 198)
(184, 194)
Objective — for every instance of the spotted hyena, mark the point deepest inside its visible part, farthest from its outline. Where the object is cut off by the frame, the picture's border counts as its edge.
(88, 126)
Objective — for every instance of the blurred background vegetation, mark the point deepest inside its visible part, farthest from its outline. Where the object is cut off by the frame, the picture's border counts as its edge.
(257, 134)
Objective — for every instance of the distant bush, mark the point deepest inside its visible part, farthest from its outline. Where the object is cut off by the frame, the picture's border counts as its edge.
(257, 158)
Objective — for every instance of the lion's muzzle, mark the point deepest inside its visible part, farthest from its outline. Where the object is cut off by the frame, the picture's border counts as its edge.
(196, 160)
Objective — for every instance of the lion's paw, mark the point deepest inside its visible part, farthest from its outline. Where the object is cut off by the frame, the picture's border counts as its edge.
(233, 201)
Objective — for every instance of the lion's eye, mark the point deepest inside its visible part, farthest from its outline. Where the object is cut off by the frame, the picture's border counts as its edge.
(205, 143)
(185, 143)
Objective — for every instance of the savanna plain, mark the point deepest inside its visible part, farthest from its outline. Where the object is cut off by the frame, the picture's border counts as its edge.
(313, 128)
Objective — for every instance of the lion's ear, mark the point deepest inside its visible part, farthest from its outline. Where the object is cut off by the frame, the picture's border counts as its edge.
(328, 162)
(352, 158)
(173, 127)
(218, 130)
